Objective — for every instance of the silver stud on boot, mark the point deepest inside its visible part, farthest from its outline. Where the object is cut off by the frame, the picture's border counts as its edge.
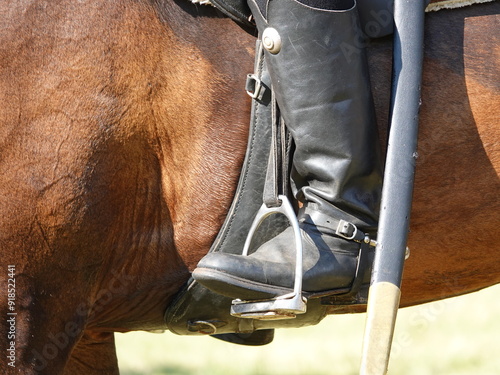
(271, 40)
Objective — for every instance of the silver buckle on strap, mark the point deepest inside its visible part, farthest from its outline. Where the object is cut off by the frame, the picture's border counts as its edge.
(349, 231)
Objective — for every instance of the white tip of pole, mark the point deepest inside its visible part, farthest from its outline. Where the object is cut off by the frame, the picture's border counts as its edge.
(383, 305)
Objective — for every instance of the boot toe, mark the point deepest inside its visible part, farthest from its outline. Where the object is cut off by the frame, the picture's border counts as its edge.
(238, 276)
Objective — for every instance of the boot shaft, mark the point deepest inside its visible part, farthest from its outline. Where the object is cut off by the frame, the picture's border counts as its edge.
(320, 78)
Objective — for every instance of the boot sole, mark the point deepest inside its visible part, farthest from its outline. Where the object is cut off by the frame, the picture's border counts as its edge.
(235, 287)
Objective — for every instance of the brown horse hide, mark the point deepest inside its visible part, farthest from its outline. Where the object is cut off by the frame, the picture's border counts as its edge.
(123, 127)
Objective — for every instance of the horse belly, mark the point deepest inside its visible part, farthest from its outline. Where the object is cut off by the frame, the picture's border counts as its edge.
(456, 208)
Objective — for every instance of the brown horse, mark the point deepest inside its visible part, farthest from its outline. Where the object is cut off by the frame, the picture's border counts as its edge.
(122, 130)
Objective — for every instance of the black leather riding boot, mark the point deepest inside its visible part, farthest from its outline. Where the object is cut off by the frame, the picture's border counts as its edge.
(319, 74)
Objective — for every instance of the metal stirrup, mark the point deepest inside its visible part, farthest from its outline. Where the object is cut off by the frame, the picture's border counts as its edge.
(285, 306)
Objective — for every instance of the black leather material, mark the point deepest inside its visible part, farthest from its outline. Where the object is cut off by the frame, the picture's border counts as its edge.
(248, 196)
(256, 338)
(235, 9)
(324, 97)
(329, 4)
(269, 271)
(197, 311)
(376, 17)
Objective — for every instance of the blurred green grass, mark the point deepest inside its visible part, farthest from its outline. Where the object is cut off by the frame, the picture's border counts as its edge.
(457, 336)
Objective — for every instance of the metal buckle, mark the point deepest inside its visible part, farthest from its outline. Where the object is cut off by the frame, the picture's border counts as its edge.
(254, 87)
(285, 306)
(349, 231)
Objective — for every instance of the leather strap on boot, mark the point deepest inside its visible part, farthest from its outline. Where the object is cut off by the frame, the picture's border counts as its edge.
(349, 231)
(336, 227)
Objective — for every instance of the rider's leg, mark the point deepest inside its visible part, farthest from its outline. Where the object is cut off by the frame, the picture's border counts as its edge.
(321, 84)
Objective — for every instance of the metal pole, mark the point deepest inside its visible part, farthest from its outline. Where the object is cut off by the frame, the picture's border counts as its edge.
(397, 191)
